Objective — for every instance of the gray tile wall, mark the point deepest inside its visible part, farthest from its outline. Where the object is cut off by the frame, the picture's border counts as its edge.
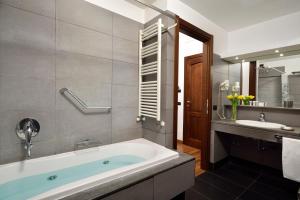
(220, 72)
(294, 89)
(46, 45)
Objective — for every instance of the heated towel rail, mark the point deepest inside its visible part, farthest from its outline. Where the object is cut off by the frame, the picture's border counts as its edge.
(79, 104)
(150, 72)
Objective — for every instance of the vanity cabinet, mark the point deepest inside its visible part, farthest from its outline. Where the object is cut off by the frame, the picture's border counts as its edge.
(246, 148)
(255, 150)
(272, 154)
(254, 144)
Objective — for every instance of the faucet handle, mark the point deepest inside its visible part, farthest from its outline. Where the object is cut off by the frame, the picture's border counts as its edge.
(26, 126)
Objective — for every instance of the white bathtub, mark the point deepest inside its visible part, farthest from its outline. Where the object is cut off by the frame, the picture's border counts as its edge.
(152, 154)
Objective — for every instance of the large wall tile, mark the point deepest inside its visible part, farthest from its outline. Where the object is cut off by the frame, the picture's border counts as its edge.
(68, 143)
(44, 7)
(126, 28)
(167, 68)
(84, 14)
(26, 93)
(125, 73)
(124, 118)
(125, 50)
(167, 116)
(16, 152)
(153, 125)
(26, 62)
(77, 66)
(167, 97)
(10, 119)
(124, 96)
(74, 123)
(13, 153)
(168, 43)
(159, 138)
(126, 134)
(76, 39)
(24, 28)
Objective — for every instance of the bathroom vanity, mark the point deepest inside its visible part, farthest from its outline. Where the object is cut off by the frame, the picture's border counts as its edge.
(272, 77)
(256, 144)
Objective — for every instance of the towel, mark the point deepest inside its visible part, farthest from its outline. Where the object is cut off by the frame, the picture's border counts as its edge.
(291, 158)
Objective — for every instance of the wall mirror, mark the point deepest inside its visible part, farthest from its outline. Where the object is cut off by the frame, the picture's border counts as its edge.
(274, 79)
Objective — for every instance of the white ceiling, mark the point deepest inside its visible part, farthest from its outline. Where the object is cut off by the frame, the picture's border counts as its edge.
(235, 14)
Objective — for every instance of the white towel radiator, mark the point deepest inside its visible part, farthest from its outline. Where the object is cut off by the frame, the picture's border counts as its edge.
(150, 90)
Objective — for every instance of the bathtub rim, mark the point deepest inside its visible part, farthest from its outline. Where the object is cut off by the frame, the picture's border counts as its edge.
(93, 181)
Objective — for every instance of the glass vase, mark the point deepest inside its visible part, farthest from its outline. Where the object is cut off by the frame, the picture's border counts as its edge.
(246, 102)
(234, 111)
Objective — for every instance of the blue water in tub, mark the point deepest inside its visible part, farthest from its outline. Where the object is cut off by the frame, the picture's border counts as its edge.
(31, 186)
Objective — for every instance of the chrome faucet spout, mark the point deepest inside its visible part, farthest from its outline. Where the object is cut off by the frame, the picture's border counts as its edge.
(28, 143)
(28, 147)
(26, 130)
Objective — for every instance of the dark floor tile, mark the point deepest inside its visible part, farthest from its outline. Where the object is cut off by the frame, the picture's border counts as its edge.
(279, 182)
(220, 183)
(246, 164)
(267, 171)
(273, 192)
(194, 195)
(235, 177)
(242, 169)
(211, 192)
(250, 195)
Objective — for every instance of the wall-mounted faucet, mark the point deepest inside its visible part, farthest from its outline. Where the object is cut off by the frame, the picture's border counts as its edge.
(262, 117)
(26, 129)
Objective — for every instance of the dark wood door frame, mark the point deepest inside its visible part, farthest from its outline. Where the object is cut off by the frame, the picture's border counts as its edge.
(207, 39)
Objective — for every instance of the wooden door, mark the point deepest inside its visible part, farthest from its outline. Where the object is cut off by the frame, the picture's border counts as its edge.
(196, 116)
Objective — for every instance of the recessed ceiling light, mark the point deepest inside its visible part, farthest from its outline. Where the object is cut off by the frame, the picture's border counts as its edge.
(236, 57)
(281, 54)
(276, 51)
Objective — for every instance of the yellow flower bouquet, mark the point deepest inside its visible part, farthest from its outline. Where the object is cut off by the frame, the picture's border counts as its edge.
(235, 99)
(247, 98)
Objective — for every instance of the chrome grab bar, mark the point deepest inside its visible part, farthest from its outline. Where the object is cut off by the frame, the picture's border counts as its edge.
(79, 104)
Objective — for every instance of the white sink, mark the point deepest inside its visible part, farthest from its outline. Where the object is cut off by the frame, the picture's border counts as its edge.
(259, 124)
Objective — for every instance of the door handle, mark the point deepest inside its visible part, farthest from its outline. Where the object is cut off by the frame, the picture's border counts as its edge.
(188, 101)
(206, 106)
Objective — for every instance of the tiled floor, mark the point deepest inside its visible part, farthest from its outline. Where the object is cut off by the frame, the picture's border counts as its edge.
(194, 152)
(236, 180)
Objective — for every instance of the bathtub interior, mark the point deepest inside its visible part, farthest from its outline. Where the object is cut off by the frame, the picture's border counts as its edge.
(143, 148)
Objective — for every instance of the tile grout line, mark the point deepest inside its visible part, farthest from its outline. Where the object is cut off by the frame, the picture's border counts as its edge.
(200, 194)
(112, 78)
(249, 186)
(55, 71)
(228, 180)
(30, 11)
(216, 187)
(95, 30)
